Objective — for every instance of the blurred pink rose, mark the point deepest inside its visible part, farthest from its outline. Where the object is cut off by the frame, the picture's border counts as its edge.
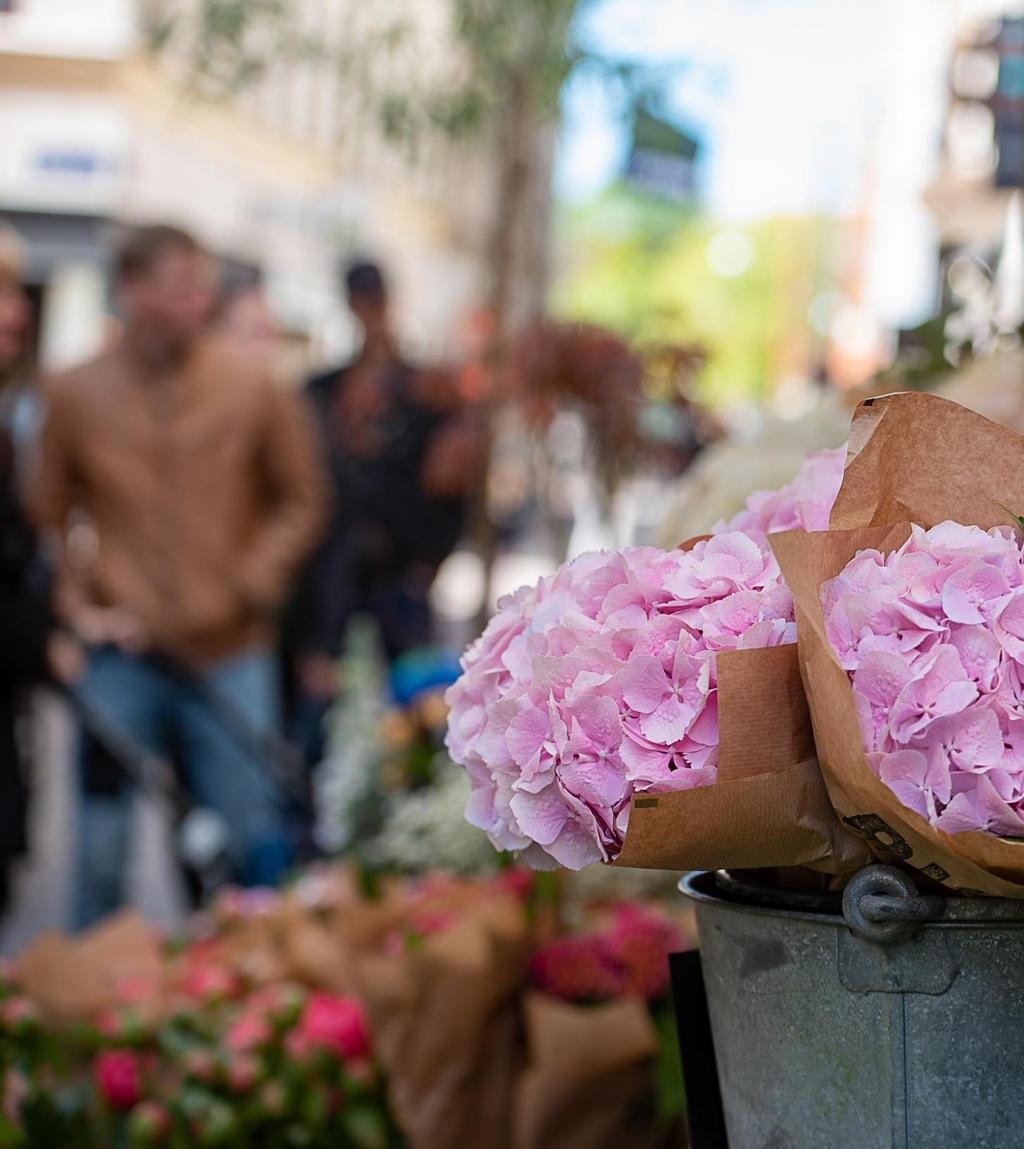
(150, 1123)
(278, 1002)
(640, 940)
(243, 1072)
(19, 1013)
(135, 989)
(297, 1045)
(199, 1064)
(628, 958)
(578, 968)
(248, 1031)
(517, 881)
(118, 1077)
(208, 981)
(336, 1024)
(15, 1090)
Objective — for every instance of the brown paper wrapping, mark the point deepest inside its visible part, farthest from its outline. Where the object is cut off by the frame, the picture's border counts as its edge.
(312, 949)
(913, 458)
(769, 806)
(446, 1027)
(590, 1080)
(72, 978)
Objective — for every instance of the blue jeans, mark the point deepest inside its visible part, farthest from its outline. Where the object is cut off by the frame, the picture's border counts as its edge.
(152, 706)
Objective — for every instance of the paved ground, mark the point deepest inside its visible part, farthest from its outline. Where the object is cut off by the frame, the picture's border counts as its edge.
(41, 897)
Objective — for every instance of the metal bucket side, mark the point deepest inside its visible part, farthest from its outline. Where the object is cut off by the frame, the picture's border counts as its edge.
(826, 1041)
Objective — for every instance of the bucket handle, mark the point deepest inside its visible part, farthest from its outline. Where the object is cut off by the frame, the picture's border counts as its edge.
(881, 905)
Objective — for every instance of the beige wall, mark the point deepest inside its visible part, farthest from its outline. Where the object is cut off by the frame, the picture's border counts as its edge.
(293, 176)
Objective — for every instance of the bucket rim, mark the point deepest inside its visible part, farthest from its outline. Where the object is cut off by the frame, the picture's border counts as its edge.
(723, 890)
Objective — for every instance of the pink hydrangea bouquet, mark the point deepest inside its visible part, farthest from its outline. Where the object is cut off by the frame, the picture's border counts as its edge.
(803, 504)
(599, 682)
(932, 638)
(910, 641)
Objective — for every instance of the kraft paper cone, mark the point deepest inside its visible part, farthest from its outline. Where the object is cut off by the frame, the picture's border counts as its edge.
(769, 806)
(446, 1029)
(917, 458)
(311, 951)
(590, 1079)
(913, 458)
(75, 978)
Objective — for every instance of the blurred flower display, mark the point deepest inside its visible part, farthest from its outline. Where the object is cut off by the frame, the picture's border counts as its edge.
(275, 1022)
(211, 1069)
(624, 957)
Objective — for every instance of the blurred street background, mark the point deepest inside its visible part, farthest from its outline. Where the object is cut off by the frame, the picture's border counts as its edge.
(641, 255)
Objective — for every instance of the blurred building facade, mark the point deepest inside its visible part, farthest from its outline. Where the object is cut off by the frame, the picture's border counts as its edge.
(285, 179)
(939, 175)
(983, 137)
(975, 197)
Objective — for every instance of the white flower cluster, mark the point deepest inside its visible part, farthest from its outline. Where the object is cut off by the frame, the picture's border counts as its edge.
(346, 780)
(427, 830)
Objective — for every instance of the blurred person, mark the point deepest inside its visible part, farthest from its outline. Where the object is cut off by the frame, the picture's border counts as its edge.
(244, 318)
(30, 646)
(201, 482)
(403, 455)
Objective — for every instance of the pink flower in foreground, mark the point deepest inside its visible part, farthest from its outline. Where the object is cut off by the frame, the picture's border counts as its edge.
(118, 1077)
(14, 1091)
(641, 941)
(150, 1123)
(578, 968)
(209, 982)
(249, 1031)
(199, 1064)
(136, 989)
(598, 683)
(803, 504)
(243, 1072)
(335, 1024)
(629, 958)
(297, 1045)
(277, 1002)
(932, 637)
(19, 1013)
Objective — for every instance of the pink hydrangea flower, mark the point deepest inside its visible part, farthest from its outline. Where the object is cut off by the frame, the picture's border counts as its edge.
(803, 504)
(598, 683)
(932, 637)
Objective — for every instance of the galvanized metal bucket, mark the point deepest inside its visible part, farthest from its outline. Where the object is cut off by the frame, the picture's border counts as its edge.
(891, 1021)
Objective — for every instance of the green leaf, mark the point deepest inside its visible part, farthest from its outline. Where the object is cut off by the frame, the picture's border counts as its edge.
(1018, 520)
(668, 1067)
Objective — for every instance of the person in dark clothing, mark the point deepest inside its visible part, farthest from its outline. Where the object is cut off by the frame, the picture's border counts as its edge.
(30, 648)
(401, 455)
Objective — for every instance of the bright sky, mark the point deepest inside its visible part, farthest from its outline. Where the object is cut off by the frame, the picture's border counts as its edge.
(790, 97)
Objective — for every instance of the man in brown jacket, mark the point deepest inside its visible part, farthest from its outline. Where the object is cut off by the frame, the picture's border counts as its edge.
(183, 487)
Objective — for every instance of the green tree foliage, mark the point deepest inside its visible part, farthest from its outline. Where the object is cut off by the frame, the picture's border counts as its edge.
(640, 266)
